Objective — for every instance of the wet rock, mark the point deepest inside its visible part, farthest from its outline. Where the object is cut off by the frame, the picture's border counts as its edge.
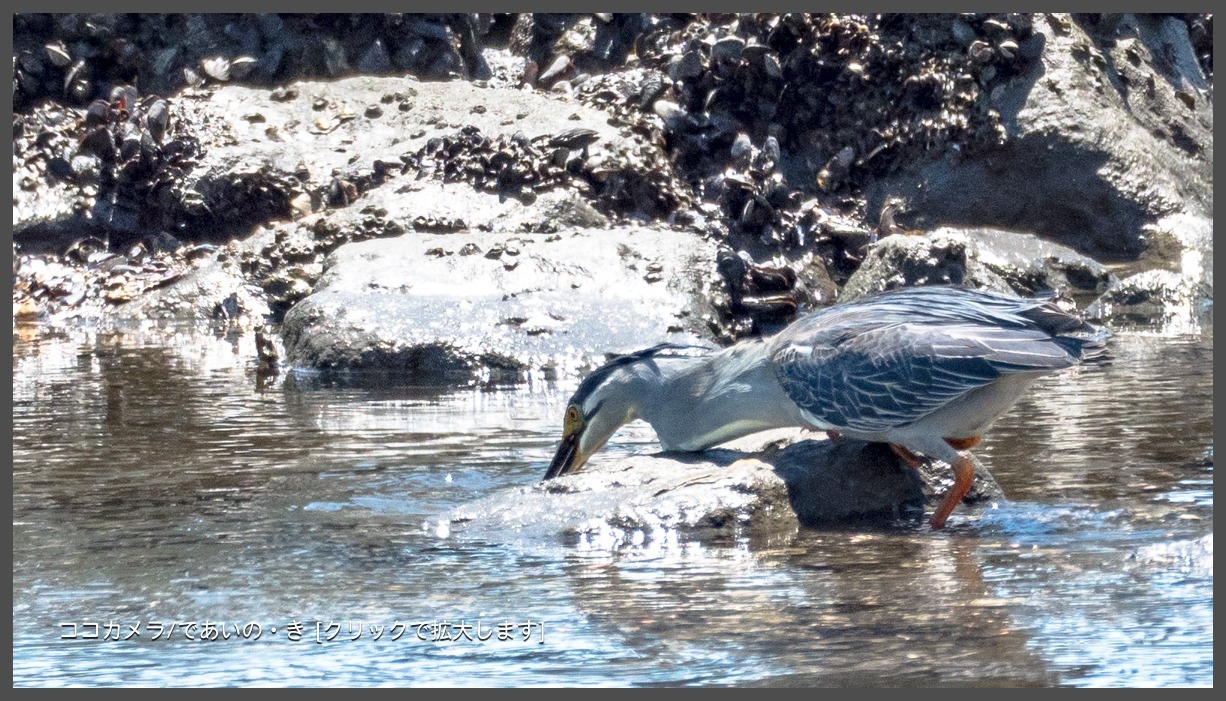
(117, 174)
(198, 293)
(330, 153)
(1095, 142)
(58, 210)
(147, 281)
(1032, 266)
(942, 257)
(202, 169)
(1182, 244)
(1083, 130)
(1173, 293)
(768, 483)
(1154, 299)
(368, 318)
(1006, 261)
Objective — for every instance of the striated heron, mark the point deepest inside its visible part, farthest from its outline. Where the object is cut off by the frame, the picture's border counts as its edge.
(926, 370)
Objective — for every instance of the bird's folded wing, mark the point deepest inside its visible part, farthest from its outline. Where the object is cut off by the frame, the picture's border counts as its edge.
(890, 376)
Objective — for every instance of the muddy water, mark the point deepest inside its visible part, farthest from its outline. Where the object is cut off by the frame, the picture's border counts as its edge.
(160, 492)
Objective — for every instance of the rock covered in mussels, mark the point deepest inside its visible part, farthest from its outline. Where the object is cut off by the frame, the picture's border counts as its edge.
(676, 120)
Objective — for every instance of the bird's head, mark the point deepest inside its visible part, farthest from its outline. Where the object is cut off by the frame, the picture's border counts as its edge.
(604, 402)
(612, 396)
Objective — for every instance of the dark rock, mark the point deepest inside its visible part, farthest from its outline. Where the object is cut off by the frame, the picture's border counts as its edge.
(1031, 48)
(270, 24)
(375, 59)
(334, 60)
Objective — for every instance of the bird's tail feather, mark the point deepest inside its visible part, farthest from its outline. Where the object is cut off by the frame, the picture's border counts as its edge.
(1081, 339)
(1089, 343)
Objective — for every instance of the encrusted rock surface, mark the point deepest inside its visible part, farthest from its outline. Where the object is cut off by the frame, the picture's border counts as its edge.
(497, 306)
(1092, 131)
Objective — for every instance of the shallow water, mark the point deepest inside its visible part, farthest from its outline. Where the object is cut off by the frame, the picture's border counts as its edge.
(156, 482)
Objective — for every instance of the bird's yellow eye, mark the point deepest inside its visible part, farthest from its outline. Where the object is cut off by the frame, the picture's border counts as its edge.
(573, 422)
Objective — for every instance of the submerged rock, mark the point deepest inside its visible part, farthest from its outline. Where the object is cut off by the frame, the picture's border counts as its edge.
(1195, 555)
(1173, 292)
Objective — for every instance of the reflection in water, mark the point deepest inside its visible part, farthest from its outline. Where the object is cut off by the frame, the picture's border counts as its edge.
(1106, 432)
(835, 609)
(153, 482)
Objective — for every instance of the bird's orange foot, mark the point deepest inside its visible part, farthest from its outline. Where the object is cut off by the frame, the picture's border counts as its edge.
(964, 471)
(834, 436)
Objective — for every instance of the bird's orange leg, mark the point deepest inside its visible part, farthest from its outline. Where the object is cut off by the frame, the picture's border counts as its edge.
(963, 443)
(907, 456)
(964, 470)
(834, 436)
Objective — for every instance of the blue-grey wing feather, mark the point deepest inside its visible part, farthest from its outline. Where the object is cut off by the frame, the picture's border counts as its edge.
(888, 361)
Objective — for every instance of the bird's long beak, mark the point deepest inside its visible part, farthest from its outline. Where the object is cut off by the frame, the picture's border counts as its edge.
(568, 458)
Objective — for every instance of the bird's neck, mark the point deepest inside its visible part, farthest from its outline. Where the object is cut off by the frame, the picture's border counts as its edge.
(710, 400)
